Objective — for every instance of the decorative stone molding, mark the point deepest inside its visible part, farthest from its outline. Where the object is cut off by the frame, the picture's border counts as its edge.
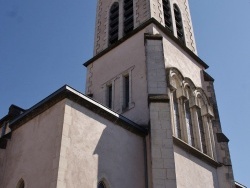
(207, 110)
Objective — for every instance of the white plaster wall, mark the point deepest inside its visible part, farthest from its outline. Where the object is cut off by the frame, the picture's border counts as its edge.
(32, 152)
(176, 57)
(94, 148)
(192, 172)
(129, 54)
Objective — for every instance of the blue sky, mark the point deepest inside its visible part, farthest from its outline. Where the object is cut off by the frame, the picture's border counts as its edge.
(43, 45)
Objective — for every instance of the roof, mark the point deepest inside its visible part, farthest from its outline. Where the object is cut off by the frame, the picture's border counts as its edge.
(14, 111)
(138, 29)
(238, 185)
(83, 100)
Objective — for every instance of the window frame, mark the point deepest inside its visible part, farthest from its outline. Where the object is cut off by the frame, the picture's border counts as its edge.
(176, 116)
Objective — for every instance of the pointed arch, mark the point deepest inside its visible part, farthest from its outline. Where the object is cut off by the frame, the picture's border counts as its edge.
(179, 24)
(113, 23)
(20, 184)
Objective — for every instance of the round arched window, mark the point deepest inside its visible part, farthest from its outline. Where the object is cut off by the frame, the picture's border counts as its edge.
(114, 23)
(179, 25)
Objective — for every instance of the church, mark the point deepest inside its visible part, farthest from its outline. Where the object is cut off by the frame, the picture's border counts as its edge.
(148, 118)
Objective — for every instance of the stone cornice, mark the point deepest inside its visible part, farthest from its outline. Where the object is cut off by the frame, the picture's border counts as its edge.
(158, 98)
(195, 152)
(67, 92)
(136, 30)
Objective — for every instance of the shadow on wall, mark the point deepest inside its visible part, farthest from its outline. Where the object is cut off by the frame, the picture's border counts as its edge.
(120, 158)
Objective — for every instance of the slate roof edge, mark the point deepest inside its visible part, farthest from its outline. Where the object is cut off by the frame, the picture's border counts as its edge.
(239, 184)
(136, 30)
(76, 96)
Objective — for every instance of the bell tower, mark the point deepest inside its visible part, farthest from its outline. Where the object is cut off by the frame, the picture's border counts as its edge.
(145, 67)
(172, 14)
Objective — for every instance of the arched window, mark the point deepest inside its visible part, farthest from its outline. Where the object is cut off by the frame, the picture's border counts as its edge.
(179, 25)
(191, 114)
(101, 184)
(128, 20)
(176, 116)
(20, 184)
(113, 23)
(167, 14)
(201, 127)
(188, 119)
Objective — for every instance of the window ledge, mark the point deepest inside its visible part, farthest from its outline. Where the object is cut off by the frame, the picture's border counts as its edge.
(195, 152)
(130, 106)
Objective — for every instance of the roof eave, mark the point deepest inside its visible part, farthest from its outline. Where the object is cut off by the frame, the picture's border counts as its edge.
(74, 95)
(138, 29)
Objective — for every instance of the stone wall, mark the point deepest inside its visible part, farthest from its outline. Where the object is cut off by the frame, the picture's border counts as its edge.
(162, 153)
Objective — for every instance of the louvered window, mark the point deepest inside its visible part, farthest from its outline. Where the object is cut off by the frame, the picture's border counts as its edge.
(167, 15)
(190, 132)
(202, 131)
(179, 25)
(128, 22)
(176, 116)
(113, 23)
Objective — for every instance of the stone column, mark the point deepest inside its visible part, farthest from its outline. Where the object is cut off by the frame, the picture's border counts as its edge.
(161, 134)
